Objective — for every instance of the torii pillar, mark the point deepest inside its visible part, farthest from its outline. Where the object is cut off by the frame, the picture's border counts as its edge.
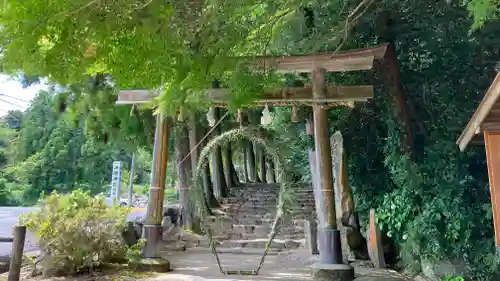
(330, 266)
(152, 231)
(154, 214)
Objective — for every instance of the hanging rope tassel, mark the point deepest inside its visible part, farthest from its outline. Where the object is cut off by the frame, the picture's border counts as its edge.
(295, 118)
(238, 116)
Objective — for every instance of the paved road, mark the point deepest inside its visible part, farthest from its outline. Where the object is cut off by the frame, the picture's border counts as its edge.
(9, 217)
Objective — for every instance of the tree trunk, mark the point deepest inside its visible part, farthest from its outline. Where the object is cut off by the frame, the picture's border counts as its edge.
(218, 168)
(184, 173)
(209, 188)
(252, 167)
(263, 170)
(245, 161)
(234, 174)
(272, 171)
(195, 136)
(227, 166)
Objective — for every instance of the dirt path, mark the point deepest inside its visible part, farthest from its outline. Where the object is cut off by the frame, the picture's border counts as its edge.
(200, 265)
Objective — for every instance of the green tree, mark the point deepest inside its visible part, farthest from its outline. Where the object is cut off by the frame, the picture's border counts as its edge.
(6, 136)
(4, 193)
(13, 119)
(56, 154)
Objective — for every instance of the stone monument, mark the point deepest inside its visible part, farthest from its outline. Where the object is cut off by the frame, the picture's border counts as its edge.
(352, 240)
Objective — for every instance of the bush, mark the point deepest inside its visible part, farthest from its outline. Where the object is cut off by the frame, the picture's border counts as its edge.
(77, 232)
(452, 278)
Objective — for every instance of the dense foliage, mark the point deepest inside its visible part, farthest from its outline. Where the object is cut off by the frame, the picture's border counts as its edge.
(434, 201)
(50, 152)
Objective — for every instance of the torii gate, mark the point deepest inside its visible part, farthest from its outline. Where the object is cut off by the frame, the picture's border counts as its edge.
(317, 95)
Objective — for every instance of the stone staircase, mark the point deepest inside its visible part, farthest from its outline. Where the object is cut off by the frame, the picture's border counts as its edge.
(250, 212)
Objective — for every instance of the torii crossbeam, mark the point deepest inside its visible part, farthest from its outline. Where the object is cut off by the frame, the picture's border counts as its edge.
(335, 94)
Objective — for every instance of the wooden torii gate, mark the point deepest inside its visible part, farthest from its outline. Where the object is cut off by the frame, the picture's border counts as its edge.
(318, 95)
(484, 127)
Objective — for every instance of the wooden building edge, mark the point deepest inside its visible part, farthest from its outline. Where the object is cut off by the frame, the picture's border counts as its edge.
(486, 118)
(484, 126)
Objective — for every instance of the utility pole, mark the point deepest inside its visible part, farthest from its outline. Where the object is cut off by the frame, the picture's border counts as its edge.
(131, 180)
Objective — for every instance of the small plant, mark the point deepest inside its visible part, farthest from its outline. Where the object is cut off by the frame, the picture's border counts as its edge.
(452, 278)
(134, 251)
(31, 261)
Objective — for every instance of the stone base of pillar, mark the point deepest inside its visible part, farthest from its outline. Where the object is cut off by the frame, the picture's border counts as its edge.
(332, 272)
(150, 265)
(330, 247)
(153, 236)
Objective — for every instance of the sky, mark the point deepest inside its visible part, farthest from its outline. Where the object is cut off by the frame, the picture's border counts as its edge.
(13, 96)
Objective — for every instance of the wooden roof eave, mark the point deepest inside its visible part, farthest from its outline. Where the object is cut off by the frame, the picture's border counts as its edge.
(352, 60)
(482, 111)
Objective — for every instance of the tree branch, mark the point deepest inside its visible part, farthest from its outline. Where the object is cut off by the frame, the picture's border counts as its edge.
(79, 9)
(351, 20)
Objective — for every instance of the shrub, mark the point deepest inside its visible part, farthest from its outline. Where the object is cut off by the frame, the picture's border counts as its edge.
(134, 251)
(77, 232)
(4, 193)
(452, 278)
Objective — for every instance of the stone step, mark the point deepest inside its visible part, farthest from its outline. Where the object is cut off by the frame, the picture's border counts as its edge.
(265, 228)
(268, 209)
(268, 202)
(267, 214)
(269, 186)
(264, 198)
(274, 204)
(263, 221)
(250, 236)
(270, 195)
(226, 226)
(270, 190)
(251, 208)
(276, 244)
(219, 239)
